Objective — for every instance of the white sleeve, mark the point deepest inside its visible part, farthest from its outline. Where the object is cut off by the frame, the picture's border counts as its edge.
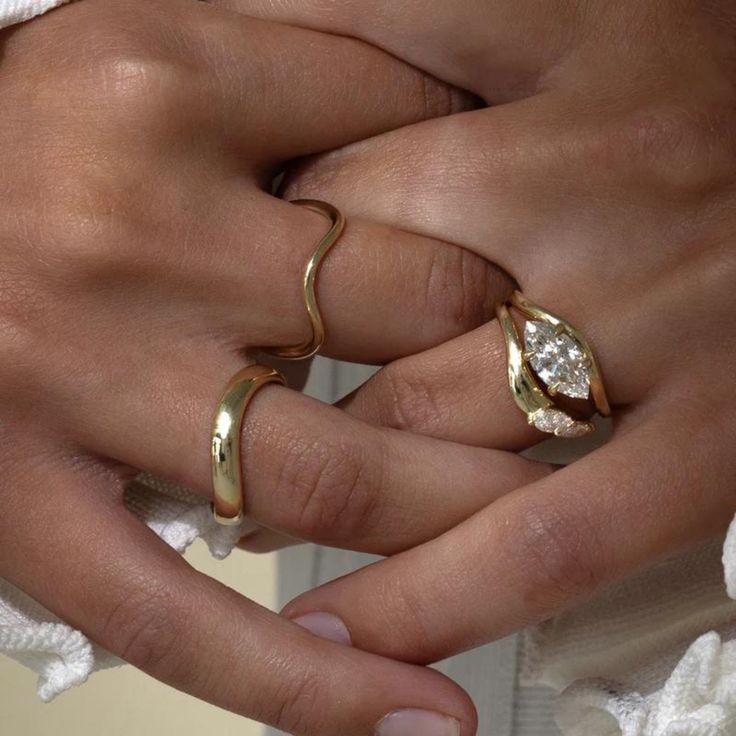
(654, 655)
(17, 11)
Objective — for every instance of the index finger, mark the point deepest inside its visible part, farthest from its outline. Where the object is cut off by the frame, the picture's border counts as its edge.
(87, 559)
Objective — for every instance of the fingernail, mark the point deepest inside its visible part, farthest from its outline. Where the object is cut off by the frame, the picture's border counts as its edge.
(326, 626)
(414, 722)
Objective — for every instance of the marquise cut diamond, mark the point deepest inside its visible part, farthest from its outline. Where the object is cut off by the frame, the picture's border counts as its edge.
(558, 359)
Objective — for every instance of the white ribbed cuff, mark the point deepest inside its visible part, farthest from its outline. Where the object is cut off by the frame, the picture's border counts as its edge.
(17, 11)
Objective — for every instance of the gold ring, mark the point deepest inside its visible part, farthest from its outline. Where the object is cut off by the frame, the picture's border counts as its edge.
(309, 281)
(554, 360)
(227, 470)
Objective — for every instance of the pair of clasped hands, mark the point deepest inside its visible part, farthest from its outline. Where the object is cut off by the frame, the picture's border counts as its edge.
(583, 150)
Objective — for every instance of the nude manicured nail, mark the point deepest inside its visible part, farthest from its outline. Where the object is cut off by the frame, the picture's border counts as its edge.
(413, 722)
(326, 626)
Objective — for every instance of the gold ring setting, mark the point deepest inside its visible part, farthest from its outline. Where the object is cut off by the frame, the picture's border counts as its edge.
(227, 471)
(551, 361)
(336, 219)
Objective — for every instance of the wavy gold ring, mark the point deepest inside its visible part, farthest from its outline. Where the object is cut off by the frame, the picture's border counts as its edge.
(554, 360)
(227, 470)
(309, 281)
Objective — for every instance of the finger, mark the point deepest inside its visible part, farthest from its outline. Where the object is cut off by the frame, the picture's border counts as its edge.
(457, 391)
(526, 202)
(92, 563)
(383, 292)
(312, 472)
(263, 541)
(301, 79)
(542, 548)
(527, 207)
(495, 206)
(237, 90)
(499, 50)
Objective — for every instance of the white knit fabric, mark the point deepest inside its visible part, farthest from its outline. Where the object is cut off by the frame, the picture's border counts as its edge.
(17, 11)
(653, 656)
(697, 699)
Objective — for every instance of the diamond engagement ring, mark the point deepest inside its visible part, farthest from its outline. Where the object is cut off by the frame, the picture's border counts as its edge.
(554, 360)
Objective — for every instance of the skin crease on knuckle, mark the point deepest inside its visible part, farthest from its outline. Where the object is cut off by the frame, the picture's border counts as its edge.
(561, 561)
(408, 401)
(462, 288)
(329, 487)
(298, 705)
(146, 629)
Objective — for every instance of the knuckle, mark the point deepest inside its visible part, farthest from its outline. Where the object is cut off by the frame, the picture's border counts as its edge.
(82, 232)
(561, 557)
(328, 484)
(462, 288)
(81, 209)
(143, 629)
(23, 309)
(96, 225)
(403, 605)
(297, 703)
(683, 150)
(136, 87)
(124, 74)
(410, 401)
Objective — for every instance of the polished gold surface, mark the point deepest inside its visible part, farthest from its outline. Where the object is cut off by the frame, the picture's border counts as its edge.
(227, 471)
(309, 281)
(541, 408)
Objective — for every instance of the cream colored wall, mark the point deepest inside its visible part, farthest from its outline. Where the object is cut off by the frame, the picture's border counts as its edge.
(125, 702)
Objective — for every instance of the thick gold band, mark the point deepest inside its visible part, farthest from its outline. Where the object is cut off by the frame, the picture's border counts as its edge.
(554, 346)
(227, 470)
(309, 281)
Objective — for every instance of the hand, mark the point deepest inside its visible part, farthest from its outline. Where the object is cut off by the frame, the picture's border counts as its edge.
(603, 183)
(140, 254)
